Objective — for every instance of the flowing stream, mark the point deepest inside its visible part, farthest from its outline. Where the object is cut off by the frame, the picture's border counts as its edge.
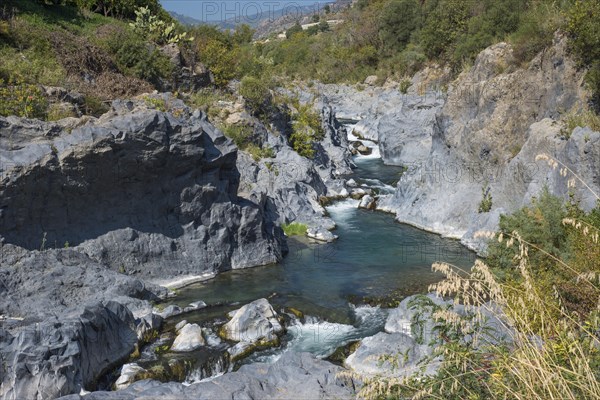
(329, 283)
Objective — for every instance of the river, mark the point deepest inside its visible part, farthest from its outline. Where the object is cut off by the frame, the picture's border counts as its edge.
(331, 283)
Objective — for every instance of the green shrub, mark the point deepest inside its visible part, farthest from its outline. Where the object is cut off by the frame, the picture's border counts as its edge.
(296, 28)
(136, 57)
(243, 137)
(536, 30)
(581, 119)
(584, 42)
(306, 130)
(405, 84)
(240, 134)
(217, 54)
(22, 99)
(398, 20)
(94, 106)
(57, 112)
(496, 19)
(443, 26)
(294, 229)
(485, 205)
(258, 153)
(159, 31)
(539, 224)
(255, 91)
(206, 100)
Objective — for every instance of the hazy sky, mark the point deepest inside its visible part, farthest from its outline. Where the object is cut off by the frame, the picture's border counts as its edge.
(205, 10)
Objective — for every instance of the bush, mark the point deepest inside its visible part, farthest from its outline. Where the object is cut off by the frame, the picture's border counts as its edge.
(536, 30)
(136, 57)
(243, 137)
(539, 224)
(443, 26)
(398, 20)
(156, 29)
(294, 229)
(306, 130)
(22, 99)
(581, 119)
(296, 28)
(217, 54)
(584, 36)
(486, 200)
(255, 91)
(404, 85)
(94, 106)
(57, 112)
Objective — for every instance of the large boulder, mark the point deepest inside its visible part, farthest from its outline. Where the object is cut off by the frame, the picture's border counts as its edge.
(367, 202)
(189, 338)
(61, 356)
(411, 340)
(129, 374)
(252, 323)
(406, 133)
(321, 234)
(39, 284)
(143, 191)
(390, 354)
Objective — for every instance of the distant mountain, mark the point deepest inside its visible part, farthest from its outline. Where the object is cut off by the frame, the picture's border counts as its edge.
(268, 22)
(184, 19)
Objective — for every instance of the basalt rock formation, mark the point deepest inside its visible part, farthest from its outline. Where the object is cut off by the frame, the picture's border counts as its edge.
(139, 190)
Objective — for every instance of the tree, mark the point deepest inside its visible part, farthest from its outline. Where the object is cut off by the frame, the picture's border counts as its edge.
(444, 24)
(243, 34)
(297, 28)
(585, 41)
(399, 19)
(254, 91)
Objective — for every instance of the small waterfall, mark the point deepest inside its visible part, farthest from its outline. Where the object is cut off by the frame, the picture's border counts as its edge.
(377, 184)
(367, 143)
(209, 368)
(322, 338)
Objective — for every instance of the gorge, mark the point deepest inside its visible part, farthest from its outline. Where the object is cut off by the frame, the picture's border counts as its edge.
(277, 242)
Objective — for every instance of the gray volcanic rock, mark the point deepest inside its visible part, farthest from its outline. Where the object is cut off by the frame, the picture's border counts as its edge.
(129, 372)
(290, 185)
(36, 285)
(90, 206)
(293, 376)
(62, 356)
(395, 354)
(367, 202)
(253, 322)
(321, 233)
(140, 190)
(188, 338)
(411, 340)
(488, 135)
(406, 133)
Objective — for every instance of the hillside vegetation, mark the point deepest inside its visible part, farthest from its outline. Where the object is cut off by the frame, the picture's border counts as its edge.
(99, 49)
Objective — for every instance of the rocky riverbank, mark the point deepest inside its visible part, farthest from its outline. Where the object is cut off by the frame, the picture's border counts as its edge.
(477, 140)
(97, 212)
